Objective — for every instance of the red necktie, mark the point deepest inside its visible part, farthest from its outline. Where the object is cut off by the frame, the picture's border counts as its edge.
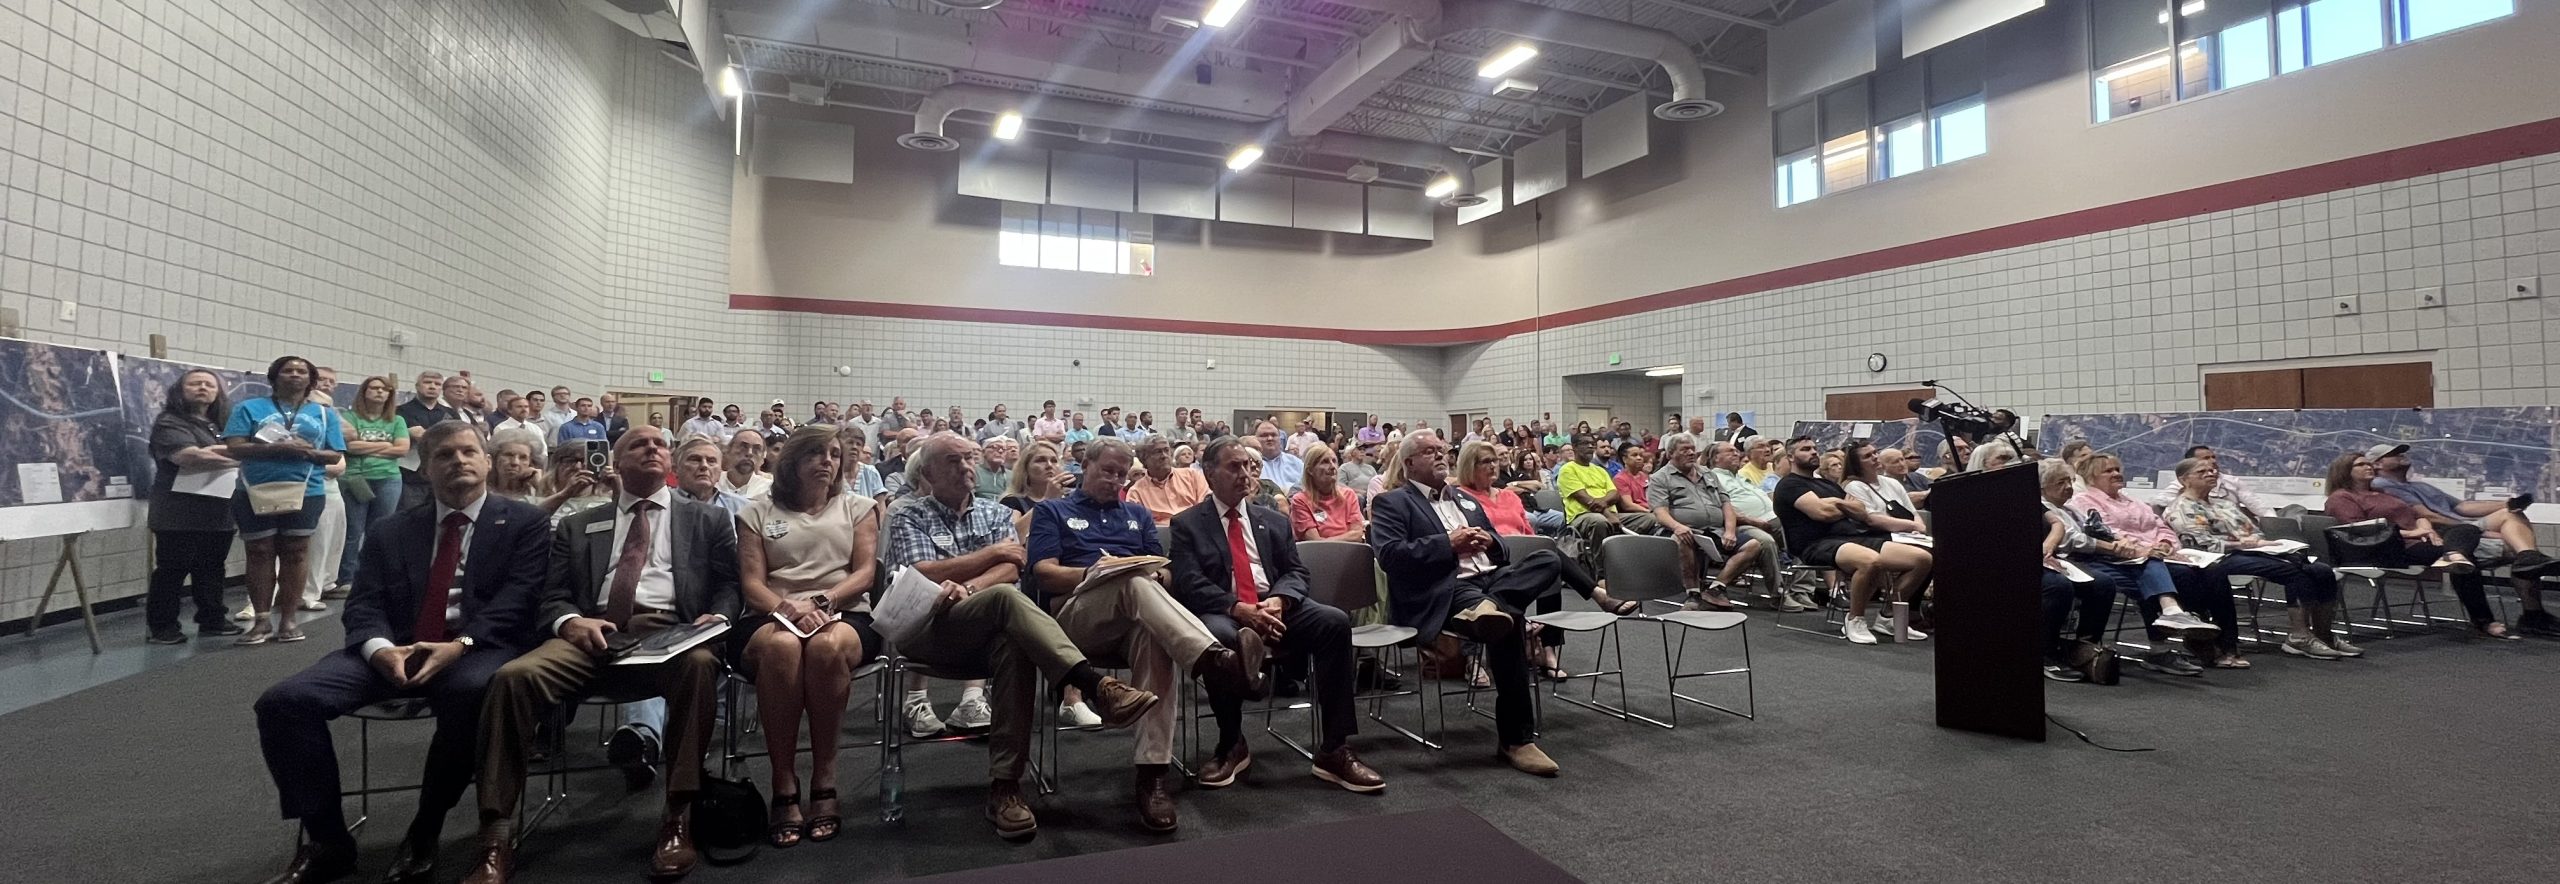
(627, 568)
(1240, 559)
(440, 576)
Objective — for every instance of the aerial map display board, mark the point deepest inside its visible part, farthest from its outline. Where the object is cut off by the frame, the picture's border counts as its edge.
(1908, 434)
(143, 384)
(2483, 453)
(64, 464)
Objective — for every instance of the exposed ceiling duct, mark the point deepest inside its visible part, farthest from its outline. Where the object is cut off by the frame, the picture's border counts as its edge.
(939, 106)
(1432, 22)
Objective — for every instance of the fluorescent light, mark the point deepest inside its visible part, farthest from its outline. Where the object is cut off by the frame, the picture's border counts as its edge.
(2156, 61)
(1671, 371)
(731, 85)
(1512, 85)
(1009, 126)
(1221, 12)
(1503, 62)
(1441, 186)
(2191, 7)
(1244, 158)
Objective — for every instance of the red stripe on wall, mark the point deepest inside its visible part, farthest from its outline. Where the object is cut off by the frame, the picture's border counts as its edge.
(2461, 152)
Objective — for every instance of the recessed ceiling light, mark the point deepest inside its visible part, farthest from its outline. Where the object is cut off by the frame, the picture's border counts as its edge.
(1244, 158)
(1009, 126)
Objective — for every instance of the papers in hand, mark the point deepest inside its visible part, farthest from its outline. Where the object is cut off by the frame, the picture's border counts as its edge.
(1919, 540)
(665, 644)
(2280, 547)
(1111, 569)
(2071, 572)
(794, 627)
(906, 608)
(2195, 557)
(216, 482)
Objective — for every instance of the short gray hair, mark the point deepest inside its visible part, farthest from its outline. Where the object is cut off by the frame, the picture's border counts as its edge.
(1101, 445)
(1983, 453)
(1673, 442)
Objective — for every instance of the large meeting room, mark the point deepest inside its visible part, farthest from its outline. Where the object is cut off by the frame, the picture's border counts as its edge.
(1279, 441)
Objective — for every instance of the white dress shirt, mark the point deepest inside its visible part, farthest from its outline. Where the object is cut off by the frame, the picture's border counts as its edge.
(1453, 509)
(461, 565)
(535, 432)
(657, 587)
(1252, 547)
(710, 427)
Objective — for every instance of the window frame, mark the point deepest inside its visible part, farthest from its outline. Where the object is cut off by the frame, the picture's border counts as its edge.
(2292, 45)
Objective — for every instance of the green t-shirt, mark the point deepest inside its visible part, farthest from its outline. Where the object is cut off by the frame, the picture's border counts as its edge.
(1590, 479)
(370, 468)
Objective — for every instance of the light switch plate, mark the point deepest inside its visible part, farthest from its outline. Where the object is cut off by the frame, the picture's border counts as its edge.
(2345, 305)
(2524, 288)
(2430, 298)
(70, 312)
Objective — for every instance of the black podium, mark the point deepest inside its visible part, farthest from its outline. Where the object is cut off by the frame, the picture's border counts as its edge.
(1989, 532)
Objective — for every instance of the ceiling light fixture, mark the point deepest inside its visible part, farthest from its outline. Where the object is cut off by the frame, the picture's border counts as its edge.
(1244, 158)
(732, 84)
(1441, 186)
(1221, 12)
(1009, 126)
(1507, 60)
(1512, 86)
(1668, 371)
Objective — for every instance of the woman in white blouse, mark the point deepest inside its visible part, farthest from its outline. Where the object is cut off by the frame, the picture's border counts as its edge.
(1883, 496)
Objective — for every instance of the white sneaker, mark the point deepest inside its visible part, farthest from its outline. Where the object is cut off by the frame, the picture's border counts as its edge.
(972, 715)
(1078, 715)
(1856, 629)
(245, 614)
(1913, 635)
(922, 724)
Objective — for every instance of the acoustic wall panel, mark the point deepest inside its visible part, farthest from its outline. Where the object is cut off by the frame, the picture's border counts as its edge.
(1928, 24)
(808, 150)
(1328, 205)
(1616, 135)
(1825, 48)
(1092, 181)
(1538, 169)
(1256, 199)
(1489, 184)
(1400, 213)
(1178, 190)
(1020, 174)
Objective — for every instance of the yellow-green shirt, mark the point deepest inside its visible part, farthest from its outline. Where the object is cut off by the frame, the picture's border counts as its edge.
(1590, 479)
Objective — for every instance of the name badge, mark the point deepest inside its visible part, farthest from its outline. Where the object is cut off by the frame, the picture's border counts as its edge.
(945, 541)
(1078, 523)
(1320, 514)
(1466, 504)
(600, 527)
(1133, 524)
(777, 529)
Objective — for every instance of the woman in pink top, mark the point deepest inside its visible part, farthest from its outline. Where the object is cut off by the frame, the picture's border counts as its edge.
(1322, 509)
(2128, 519)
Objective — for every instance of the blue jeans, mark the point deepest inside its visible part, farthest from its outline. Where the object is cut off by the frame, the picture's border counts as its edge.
(1548, 523)
(360, 516)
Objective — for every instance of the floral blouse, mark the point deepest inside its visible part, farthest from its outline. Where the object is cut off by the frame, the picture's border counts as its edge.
(2210, 524)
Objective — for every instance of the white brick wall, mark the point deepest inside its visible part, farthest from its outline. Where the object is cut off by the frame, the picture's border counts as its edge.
(255, 177)
(2117, 320)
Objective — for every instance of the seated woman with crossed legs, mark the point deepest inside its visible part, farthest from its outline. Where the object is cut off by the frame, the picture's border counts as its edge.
(2109, 514)
(2353, 498)
(2218, 525)
(807, 552)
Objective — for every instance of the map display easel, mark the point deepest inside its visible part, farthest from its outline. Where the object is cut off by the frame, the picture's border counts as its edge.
(64, 467)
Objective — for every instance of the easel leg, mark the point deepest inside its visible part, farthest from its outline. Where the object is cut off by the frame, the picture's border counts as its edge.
(70, 559)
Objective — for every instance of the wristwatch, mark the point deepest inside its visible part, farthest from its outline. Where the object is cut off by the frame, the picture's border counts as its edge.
(466, 642)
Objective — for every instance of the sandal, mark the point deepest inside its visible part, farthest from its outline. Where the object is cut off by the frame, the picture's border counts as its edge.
(2231, 661)
(786, 834)
(257, 635)
(1550, 669)
(823, 827)
(1477, 677)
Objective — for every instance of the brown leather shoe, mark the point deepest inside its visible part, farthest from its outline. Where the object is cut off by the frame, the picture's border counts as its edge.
(1344, 769)
(1232, 671)
(497, 856)
(675, 855)
(1011, 814)
(1221, 771)
(1155, 801)
(411, 865)
(313, 864)
(1119, 704)
(1528, 759)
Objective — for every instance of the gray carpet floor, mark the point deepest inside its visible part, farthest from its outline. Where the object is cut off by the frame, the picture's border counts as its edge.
(2424, 761)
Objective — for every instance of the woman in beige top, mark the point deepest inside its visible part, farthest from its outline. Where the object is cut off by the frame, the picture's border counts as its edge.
(807, 552)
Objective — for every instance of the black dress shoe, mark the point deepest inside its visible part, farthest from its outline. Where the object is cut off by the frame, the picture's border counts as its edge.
(413, 866)
(314, 863)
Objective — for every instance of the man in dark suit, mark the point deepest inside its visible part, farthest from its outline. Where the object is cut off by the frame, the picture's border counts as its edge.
(1267, 594)
(653, 561)
(443, 595)
(1446, 571)
(616, 423)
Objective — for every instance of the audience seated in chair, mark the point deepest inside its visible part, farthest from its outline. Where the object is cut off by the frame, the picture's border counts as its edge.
(659, 561)
(1446, 571)
(1828, 528)
(1235, 565)
(1163, 488)
(2108, 514)
(1699, 514)
(2353, 497)
(444, 595)
(1129, 618)
(1477, 467)
(2222, 526)
(2506, 534)
(1755, 515)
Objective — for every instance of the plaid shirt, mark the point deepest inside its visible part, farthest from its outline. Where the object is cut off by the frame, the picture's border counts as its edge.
(921, 529)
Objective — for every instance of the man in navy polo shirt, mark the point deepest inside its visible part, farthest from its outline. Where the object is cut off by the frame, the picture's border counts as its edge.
(1130, 619)
(585, 427)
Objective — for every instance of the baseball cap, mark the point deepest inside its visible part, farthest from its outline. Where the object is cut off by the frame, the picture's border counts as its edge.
(777, 402)
(2384, 450)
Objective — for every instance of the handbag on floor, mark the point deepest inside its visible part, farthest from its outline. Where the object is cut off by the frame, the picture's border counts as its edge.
(2095, 661)
(2360, 543)
(729, 819)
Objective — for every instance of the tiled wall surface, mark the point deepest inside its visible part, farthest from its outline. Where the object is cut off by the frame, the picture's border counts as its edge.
(266, 176)
(2118, 320)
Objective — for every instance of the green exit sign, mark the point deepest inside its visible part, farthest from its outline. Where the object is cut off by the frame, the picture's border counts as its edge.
(1615, 359)
(657, 377)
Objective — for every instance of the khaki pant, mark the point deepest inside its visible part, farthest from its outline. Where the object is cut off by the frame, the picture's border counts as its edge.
(999, 634)
(529, 686)
(1135, 622)
(1594, 528)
